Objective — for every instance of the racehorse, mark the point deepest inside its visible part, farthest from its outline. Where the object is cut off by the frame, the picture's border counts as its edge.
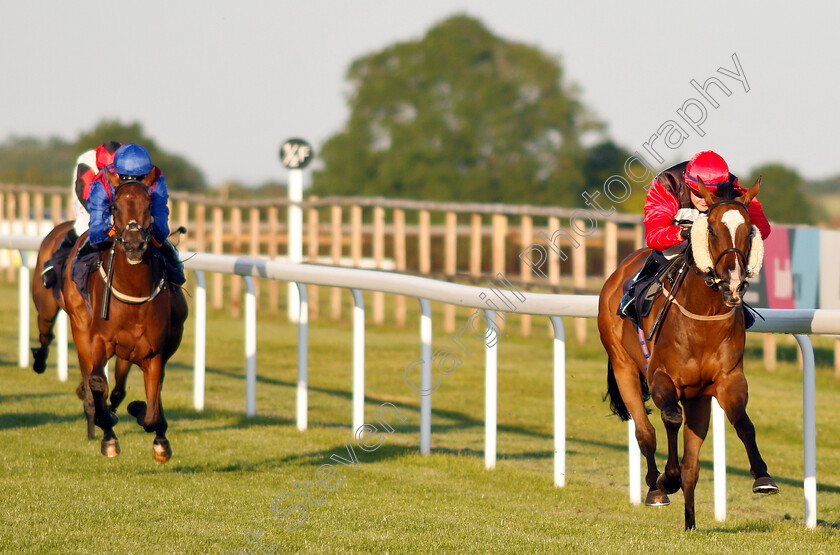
(143, 325)
(696, 355)
(47, 307)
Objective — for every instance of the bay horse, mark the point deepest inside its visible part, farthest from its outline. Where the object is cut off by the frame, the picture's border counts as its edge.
(698, 352)
(47, 306)
(144, 323)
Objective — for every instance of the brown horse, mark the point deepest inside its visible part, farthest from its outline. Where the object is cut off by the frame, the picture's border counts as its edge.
(698, 353)
(47, 307)
(144, 323)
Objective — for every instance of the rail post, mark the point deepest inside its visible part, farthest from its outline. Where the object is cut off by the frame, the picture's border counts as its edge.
(303, 359)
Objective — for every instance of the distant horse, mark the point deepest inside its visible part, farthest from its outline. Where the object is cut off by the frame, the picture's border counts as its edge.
(699, 351)
(47, 306)
(144, 324)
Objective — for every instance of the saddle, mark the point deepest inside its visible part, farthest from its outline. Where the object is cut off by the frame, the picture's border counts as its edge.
(81, 271)
(644, 287)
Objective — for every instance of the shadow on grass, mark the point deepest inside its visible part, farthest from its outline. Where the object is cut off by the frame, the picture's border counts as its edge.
(13, 420)
(22, 396)
(463, 421)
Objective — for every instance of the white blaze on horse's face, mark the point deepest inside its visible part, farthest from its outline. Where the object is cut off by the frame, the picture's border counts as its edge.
(733, 219)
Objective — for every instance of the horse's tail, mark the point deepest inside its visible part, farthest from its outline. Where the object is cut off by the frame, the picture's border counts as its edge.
(617, 405)
(616, 402)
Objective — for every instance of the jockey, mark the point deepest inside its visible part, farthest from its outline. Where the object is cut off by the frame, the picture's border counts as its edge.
(674, 202)
(83, 175)
(132, 162)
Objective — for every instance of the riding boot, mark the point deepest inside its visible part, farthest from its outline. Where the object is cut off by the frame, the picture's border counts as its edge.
(173, 263)
(49, 275)
(649, 270)
(749, 318)
(86, 249)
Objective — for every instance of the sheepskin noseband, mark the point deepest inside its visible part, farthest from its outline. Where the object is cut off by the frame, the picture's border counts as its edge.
(703, 257)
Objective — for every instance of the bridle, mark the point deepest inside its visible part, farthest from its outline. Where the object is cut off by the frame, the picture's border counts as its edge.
(132, 225)
(711, 278)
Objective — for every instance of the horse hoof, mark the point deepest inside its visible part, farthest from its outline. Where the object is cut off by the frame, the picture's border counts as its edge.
(39, 363)
(765, 485)
(162, 451)
(657, 498)
(665, 485)
(137, 409)
(110, 447)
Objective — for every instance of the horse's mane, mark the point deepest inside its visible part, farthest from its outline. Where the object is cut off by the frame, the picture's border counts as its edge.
(727, 191)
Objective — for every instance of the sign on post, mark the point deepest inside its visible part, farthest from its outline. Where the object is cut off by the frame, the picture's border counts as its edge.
(295, 154)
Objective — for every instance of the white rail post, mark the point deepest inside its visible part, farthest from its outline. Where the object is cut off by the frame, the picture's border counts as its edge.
(250, 347)
(358, 359)
(719, 444)
(303, 359)
(23, 300)
(199, 359)
(426, 377)
(634, 455)
(809, 429)
(61, 332)
(559, 401)
(490, 391)
(295, 237)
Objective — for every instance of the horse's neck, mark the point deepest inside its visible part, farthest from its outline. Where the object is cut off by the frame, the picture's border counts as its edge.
(698, 297)
(134, 279)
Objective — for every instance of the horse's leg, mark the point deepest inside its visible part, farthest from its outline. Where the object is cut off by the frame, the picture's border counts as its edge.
(697, 413)
(120, 376)
(732, 397)
(149, 415)
(97, 383)
(665, 397)
(83, 392)
(47, 309)
(630, 385)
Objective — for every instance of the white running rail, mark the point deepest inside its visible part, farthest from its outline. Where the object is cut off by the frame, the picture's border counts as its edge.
(801, 323)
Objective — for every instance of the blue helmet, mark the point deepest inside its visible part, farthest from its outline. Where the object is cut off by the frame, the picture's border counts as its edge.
(132, 159)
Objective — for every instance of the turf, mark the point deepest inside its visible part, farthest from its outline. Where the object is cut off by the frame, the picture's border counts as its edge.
(60, 496)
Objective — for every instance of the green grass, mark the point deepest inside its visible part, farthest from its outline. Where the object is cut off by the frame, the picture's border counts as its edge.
(60, 496)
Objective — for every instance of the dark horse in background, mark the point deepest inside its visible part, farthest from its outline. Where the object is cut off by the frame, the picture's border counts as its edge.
(144, 322)
(699, 351)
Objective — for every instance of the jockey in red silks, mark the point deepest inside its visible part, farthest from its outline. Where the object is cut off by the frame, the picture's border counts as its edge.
(673, 203)
(89, 166)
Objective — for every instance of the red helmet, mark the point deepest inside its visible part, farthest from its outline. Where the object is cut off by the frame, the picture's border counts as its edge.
(708, 166)
(105, 153)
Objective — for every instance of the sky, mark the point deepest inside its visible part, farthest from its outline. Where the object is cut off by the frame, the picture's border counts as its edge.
(224, 86)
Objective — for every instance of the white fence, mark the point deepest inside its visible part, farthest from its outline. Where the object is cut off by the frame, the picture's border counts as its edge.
(797, 322)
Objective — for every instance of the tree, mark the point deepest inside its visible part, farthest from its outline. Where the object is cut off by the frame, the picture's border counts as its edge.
(459, 115)
(782, 194)
(180, 174)
(33, 161)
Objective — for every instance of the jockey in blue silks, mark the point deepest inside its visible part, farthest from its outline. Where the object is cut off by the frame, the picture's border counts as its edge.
(132, 162)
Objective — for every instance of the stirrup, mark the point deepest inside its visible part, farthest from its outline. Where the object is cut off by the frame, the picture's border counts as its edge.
(49, 277)
(625, 302)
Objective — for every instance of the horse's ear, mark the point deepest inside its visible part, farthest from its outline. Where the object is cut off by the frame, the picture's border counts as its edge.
(705, 194)
(747, 197)
(149, 179)
(113, 178)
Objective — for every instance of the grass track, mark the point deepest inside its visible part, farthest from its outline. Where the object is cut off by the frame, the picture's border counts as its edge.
(60, 496)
